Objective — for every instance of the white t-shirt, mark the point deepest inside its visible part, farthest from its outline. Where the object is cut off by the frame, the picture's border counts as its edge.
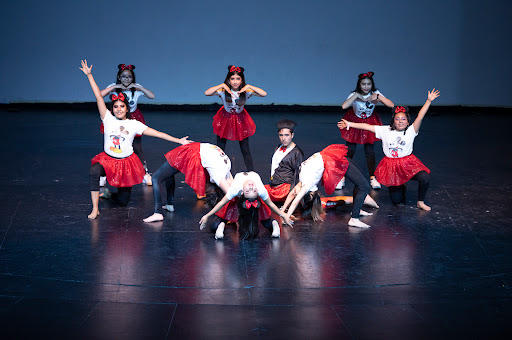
(311, 172)
(119, 134)
(233, 106)
(364, 108)
(237, 186)
(394, 143)
(215, 161)
(132, 100)
(278, 157)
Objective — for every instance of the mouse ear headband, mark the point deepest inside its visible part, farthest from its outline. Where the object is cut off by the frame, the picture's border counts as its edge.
(123, 67)
(366, 75)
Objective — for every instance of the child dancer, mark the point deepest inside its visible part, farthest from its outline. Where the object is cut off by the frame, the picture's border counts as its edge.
(118, 163)
(284, 172)
(125, 83)
(400, 165)
(232, 120)
(197, 161)
(329, 166)
(362, 104)
(249, 190)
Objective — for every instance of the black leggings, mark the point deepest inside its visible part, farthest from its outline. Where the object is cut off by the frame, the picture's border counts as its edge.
(137, 149)
(121, 197)
(398, 193)
(369, 151)
(361, 187)
(165, 173)
(244, 147)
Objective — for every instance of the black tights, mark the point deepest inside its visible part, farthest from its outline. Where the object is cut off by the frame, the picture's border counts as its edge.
(165, 173)
(397, 193)
(369, 151)
(244, 147)
(137, 149)
(121, 197)
(361, 187)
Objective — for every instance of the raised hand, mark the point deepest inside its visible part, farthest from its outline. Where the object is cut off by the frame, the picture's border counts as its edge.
(184, 141)
(433, 94)
(86, 69)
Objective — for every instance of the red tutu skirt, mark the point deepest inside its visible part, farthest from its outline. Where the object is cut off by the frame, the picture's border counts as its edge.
(359, 136)
(396, 171)
(335, 166)
(137, 115)
(187, 159)
(121, 172)
(279, 192)
(229, 212)
(233, 126)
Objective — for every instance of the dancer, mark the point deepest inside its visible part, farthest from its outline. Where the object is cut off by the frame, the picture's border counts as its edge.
(284, 172)
(118, 162)
(197, 161)
(125, 83)
(399, 164)
(362, 104)
(251, 194)
(232, 120)
(329, 166)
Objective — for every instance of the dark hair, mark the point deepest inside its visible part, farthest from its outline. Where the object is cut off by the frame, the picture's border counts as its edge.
(399, 109)
(125, 101)
(248, 219)
(232, 71)
(122, 67)
(312, 206)
(362, 76)
(214, 194)
(286, 124)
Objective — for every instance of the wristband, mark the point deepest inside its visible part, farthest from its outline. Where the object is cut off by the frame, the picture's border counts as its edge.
(348, 126)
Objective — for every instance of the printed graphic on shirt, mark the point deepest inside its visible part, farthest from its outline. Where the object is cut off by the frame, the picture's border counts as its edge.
(117, 138)
(396, 147)
(365, 110)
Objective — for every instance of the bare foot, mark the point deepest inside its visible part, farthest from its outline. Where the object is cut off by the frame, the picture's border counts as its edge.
(423, 206)
(154, 218)
(94, 214)
(355, 222)
(370, 202)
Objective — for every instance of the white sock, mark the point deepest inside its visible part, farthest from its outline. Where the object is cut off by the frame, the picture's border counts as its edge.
(168, 207)
(219, 234)
(355, 222)
(276, 231)
(154, 218)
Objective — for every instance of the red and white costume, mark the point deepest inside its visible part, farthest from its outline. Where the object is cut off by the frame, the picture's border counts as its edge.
(232, 120)
(328, 166)
(200, 162)
(399, 165)
(122, 167)
(230, 211)
(362, 111)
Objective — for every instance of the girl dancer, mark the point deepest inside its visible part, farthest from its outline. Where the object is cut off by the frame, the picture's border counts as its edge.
(197, 161)
(329, 166)
(125, 83)
(362, 104)
(118, 163)
(232, 120)
(400, 165)
(249, 190)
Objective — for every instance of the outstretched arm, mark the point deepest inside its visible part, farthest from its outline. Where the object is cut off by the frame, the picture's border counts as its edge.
(291, 196)
(344, 124)
(216, 208)
(296, 201)
(102, 108)
(275, 209)
(257, 91)
(155, 133)
(212, 90)
(431, 96)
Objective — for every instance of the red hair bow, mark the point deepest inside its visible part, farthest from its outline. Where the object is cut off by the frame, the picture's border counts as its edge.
(248, 204)
(120, 96)
(126, 67)
(235, 69)
(399, 109)
(366, 75)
